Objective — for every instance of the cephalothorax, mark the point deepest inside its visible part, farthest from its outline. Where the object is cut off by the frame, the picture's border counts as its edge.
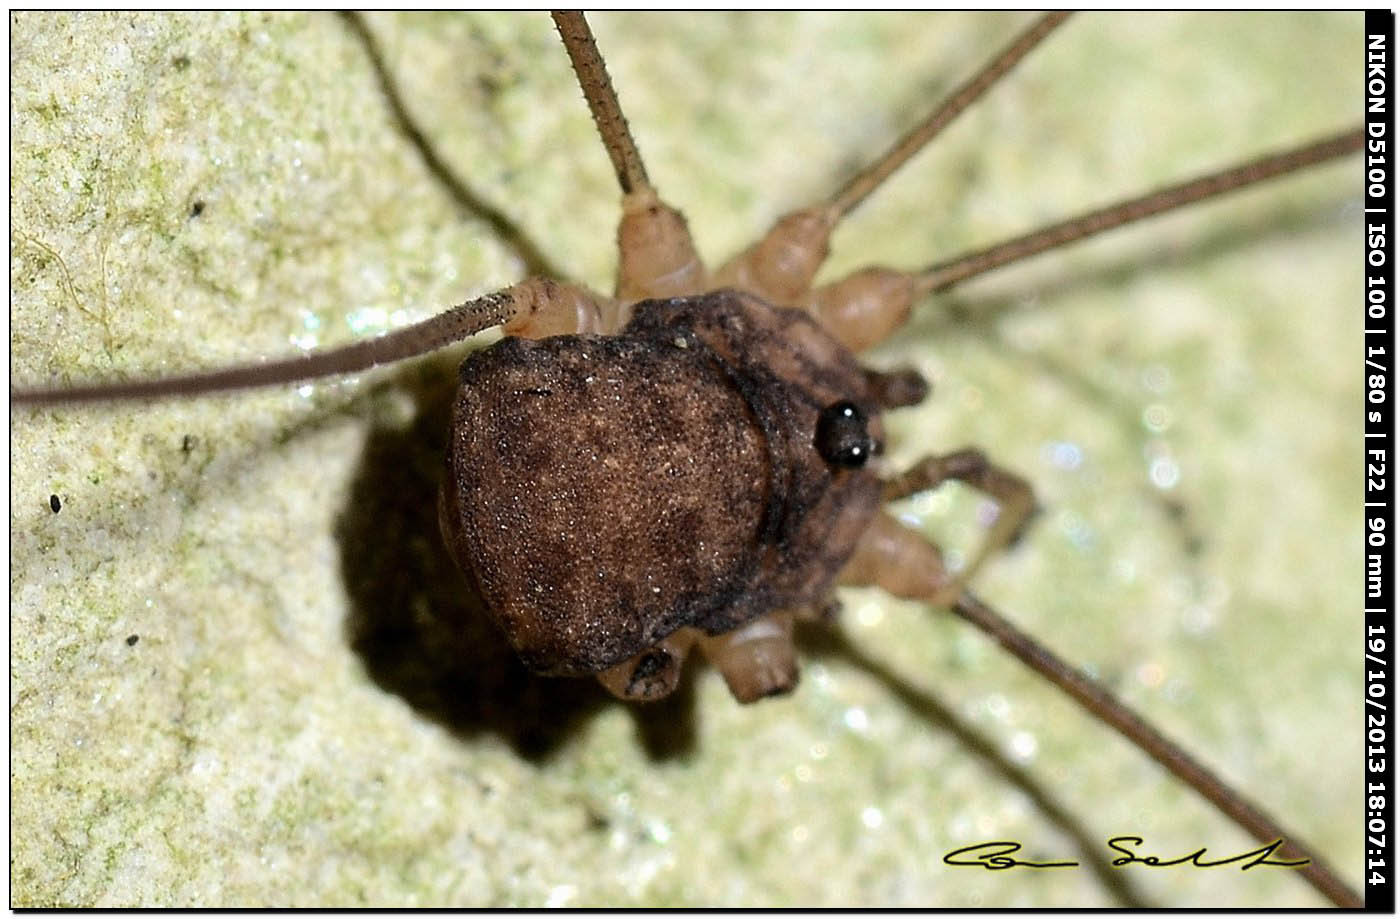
(687, 463)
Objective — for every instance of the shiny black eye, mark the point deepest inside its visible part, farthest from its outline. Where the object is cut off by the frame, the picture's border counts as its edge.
(842, 439)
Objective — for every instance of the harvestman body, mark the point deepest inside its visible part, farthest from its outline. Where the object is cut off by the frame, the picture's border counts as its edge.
(690, 463)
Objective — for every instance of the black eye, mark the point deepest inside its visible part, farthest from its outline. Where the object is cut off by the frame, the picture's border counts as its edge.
(842, 439)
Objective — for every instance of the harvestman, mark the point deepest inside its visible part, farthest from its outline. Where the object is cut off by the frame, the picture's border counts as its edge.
(817, 435)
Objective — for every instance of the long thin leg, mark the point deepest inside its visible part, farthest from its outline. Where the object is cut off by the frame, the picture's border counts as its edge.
(867, 306)
(656, 255)
(1013, 494)
(1108, 709)
(532, 308)
(895, 558)
(602, 100)
(861, 186)
(781, 265)
(959, 268)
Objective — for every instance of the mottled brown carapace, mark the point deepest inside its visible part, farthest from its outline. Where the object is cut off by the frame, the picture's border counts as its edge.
(666, 479)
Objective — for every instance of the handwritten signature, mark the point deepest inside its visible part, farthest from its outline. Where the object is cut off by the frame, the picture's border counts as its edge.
(997, 856)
